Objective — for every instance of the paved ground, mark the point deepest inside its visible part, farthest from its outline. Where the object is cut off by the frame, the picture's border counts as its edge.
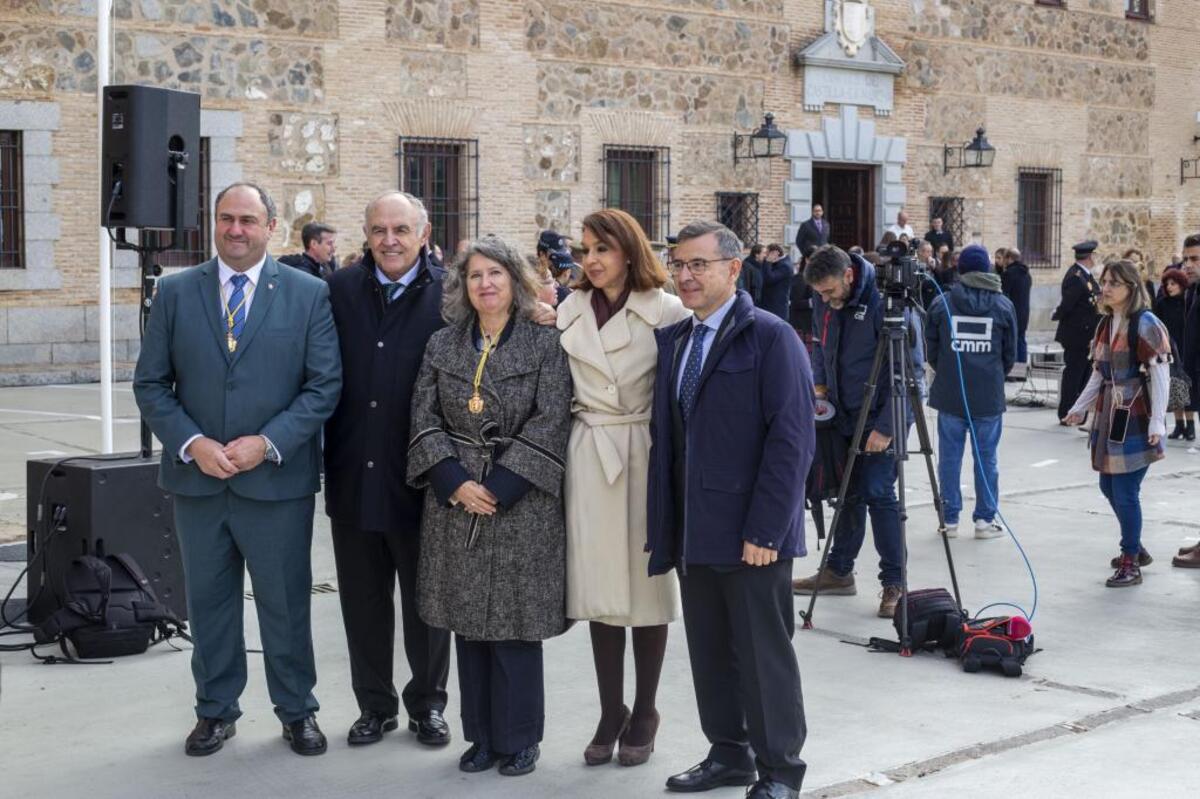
(1111, 708)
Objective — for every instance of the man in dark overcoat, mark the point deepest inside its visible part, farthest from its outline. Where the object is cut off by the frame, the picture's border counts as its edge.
(731, 428)
(386, 307)
(1077, 317)
(1017, 285)
(238, 371)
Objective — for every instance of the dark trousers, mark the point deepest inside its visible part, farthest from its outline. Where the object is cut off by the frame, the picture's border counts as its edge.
(221, 537)
(1076, 371)
(1123, 492)
(503, 693)
(739, 623)
(873, 489)
(369, 564)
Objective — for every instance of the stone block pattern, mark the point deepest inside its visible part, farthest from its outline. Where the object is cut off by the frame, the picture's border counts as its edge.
(448, 23)
(44, 59)
(1118, 131)
(709, 161)
(302, 203)
(752, 8)
(565, 89)
(305, 144)
(223, 68)
(552, 210)
(552, 153)
(293, 17)
(1122, 178)
(954, 119)
(574, 29)
(1125, 225)
(1013, 24)
(975, 70)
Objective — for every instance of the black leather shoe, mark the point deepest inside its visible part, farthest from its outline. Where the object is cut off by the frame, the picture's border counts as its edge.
(476, 759)
(305, 736)
(770, 789)
(431, 728)
(709, 774)
(370, 728)
(522, 762)
(208, 736)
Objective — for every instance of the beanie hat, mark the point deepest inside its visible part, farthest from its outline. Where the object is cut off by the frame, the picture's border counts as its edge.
(974, 258)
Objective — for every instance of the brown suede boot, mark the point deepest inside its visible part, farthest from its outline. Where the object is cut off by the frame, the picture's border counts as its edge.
(1189, 550)
(889, 597)
(831, 584)
(1189, 561)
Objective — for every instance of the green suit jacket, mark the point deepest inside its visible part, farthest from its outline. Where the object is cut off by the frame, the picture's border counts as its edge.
(282, 382)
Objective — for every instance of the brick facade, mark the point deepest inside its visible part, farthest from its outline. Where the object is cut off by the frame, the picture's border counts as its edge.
(310, 98)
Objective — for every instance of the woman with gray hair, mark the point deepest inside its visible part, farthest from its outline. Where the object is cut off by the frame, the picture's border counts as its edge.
(491, 413)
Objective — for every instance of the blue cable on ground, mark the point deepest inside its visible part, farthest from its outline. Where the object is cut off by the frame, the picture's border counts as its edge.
(962, 385)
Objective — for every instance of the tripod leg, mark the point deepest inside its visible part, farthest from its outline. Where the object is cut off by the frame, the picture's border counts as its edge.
(927, 450)
(898, 356)
(855, 447)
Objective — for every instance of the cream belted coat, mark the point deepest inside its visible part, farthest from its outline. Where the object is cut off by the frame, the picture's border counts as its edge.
(608, 460)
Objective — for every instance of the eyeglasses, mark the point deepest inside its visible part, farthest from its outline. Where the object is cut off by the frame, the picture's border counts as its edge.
(697, 266)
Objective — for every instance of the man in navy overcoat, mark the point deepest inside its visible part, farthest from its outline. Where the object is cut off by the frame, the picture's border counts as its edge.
(732, 439)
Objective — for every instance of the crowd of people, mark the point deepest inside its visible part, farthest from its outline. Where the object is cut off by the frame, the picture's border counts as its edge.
(599, 432)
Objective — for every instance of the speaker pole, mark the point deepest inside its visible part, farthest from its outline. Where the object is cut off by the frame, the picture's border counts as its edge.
(104, 311)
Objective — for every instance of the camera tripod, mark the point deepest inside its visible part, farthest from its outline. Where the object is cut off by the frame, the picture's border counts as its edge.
(892, 350)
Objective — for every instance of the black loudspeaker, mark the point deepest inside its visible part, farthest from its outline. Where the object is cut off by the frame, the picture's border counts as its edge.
(111, 503)
(145, 131)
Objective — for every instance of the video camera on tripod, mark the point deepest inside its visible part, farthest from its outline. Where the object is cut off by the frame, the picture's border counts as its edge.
(899, 274)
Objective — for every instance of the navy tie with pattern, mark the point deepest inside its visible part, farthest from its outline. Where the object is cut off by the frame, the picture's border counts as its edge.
(394, 290)
(691, 372)
(236, 306)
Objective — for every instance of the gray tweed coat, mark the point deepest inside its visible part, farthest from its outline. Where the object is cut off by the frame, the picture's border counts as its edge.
(510, 584)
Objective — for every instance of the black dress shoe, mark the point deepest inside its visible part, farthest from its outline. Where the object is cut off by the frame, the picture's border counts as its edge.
(305, 736)
(208, 736)
(431, 728)
(370, 728)
(709, 774)
(770, 789)
(522, 762)
(477, 758)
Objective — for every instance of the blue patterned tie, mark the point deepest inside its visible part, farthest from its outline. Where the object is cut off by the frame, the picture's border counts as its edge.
(394, 290)
(691, 372)
(235, 302)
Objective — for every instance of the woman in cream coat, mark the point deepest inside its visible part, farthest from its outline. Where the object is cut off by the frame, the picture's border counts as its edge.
(607, 329)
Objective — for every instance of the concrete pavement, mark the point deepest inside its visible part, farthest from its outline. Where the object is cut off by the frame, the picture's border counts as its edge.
(1110, 708)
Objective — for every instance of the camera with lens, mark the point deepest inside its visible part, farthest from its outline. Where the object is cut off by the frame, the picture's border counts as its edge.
(899, 273)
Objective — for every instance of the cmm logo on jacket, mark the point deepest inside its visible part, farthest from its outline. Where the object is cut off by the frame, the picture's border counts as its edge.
(971, 334)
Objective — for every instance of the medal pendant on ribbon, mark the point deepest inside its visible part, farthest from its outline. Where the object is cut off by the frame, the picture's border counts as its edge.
(230, 342)
(475, 404)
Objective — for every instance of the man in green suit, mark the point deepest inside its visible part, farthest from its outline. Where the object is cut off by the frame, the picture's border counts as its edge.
(239, 369)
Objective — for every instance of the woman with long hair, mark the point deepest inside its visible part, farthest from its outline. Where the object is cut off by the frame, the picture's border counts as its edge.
(1128, 391)
(608, 329)
(1171, 309)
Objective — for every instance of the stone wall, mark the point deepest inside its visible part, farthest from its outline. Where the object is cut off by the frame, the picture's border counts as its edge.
(1013, 24)
(42, 59)
(577, 29)
(552, 153)
(302, 203)
(292, 17)
(447, 23)
(1126, 225)
(983, 71)
(552, 210)
(1109, 176)
(305, 144)
(566, 89)
(953, 118)
(1113, 130)
(708, 161)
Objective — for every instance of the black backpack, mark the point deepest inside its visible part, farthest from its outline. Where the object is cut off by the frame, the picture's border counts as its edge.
(934, 622)
(109, 610)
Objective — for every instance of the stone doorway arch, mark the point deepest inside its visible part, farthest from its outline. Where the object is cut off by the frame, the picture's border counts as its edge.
(845, 139)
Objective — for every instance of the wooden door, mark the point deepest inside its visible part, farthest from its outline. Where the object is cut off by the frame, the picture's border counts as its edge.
(846, 194)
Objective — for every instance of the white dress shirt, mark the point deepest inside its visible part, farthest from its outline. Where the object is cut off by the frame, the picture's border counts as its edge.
(713, 323)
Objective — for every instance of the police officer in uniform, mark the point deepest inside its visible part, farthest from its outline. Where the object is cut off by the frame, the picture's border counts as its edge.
(1077, 318)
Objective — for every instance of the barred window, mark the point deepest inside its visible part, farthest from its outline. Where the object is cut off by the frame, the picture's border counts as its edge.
(444, 174)
(12, 201)
(1137, 9)
(197, 244)
(738, 211)
(950, 211)
(638, 181)
(1039, 216)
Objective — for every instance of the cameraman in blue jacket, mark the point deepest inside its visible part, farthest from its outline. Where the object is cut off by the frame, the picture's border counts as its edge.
(847, 326)
(971, 337)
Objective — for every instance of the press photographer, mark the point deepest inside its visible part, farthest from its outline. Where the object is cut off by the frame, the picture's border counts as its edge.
(848, 312)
